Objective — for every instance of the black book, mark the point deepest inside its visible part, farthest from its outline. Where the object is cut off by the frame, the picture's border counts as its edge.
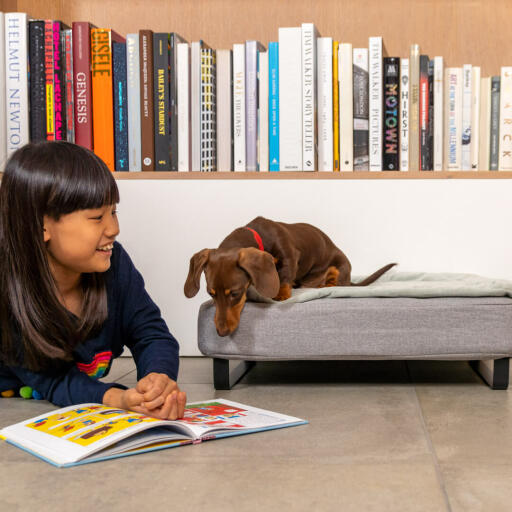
(391, 108)
(59, 81)
(37, 81)
(424, 112)
(161, 101)
(430, 138)
(173, 97)
(120, 106)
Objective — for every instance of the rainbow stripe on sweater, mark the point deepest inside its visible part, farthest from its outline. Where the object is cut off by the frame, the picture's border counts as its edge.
(99, 365)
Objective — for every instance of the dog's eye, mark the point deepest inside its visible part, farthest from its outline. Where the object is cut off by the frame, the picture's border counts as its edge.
(235, 295)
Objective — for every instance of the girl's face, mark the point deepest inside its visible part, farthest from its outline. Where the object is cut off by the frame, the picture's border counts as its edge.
(81, 241)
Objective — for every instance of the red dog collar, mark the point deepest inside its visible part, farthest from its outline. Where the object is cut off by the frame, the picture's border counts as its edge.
(257, 238)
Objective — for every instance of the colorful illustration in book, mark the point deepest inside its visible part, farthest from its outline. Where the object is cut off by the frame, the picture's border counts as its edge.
(55, 420)
(214, 413)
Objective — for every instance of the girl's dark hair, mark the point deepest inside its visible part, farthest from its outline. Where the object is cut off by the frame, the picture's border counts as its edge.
(53, 179)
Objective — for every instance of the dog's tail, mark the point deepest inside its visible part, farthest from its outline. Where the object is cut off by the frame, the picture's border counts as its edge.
(374, 276)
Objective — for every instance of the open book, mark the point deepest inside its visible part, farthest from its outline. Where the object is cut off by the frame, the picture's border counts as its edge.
(92, 432)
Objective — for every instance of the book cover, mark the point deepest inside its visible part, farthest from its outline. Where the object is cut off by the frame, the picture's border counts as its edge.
(466, 116)
(37, 86)
(161, 49)
(391, 106)
(505, 137)
(475, 117)
(85, 433)
(375, 103)
(404, 114)
(59, 83)
(335, 108)
(239, 107)
(3, 119)
(67, 45)
(361, 109)
(495, 123)
(120, 107)
(82, 84)
(184, 135)
(453, 119)
(438, 113)
(485, 124)
(224, 110)
(273, 106)
(252, 50)
(290, 99)
(424, 113)
(310, 36)
(102, 93)
(262, 112)
(324, 91)
(414, 108)
(133, 98)
(147, 128)
(208, 160)
(346, 94)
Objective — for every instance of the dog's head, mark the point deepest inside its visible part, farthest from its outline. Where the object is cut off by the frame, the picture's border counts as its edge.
(229, 273)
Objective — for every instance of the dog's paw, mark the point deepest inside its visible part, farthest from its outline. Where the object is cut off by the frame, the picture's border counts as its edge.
(285, 292)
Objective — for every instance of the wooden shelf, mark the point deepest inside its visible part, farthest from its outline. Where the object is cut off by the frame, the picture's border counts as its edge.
(286, 175)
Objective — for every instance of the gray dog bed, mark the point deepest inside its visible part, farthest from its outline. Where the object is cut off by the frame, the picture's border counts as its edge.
(401, 316)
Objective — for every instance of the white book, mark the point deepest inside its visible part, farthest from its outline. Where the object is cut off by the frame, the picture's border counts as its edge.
(183, 74)
(376, 77)
(475, 116)
(453, 119)
(324, 102)
(224, 95)
(16, 81)
(466, 116)
(3, 119)
(263, 112)
(309, 99)
(346, 108)
(360, 110)
(404, 114)
(133, 99)
(438, 113)
(485, 124)
(195, 104)
(290, 99)
(239, 107)
(505, 141)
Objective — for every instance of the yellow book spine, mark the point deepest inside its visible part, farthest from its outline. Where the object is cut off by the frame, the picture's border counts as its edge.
(335, 107)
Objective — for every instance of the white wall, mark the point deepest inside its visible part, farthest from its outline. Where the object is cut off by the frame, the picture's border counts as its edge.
(424, 225)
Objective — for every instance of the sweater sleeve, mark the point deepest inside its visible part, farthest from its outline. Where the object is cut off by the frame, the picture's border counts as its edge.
(145, 332)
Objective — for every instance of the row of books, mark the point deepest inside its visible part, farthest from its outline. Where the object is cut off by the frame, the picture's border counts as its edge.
(154, 102)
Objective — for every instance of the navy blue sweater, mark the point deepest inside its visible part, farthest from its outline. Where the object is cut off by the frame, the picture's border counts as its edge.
(133, 320)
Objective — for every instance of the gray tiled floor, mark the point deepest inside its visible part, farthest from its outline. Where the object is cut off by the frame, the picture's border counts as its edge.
(382, 436)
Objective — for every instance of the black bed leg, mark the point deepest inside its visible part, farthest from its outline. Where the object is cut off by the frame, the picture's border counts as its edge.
(223, 378)
(494, 371)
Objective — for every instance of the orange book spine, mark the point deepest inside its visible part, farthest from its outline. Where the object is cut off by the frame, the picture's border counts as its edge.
(335, 107)
(102, 99)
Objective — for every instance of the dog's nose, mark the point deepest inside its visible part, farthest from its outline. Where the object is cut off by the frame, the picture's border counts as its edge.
(223, 331)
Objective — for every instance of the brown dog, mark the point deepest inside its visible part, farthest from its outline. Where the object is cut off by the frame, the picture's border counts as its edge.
(273, 257)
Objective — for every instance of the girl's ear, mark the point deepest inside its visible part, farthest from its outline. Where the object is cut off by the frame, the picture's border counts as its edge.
(46, 229)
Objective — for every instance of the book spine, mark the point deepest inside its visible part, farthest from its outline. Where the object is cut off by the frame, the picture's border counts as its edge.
(161, 101)
(37, 82)
(485, 124)
(375, 103)
(505, 144)
(67, 44)
(361, 109)
(335, 107)
(466, 117)
(404, 114)
(262, 112)
(208, 110)
(3, 119)
(184, 148)
(147, 128)
(239, 107)
(324, 91)
(224, 113)
(290, 99)
(102, 95)
(424, 110)
(16, 81)
(120, 107)
(391, 102)
(475, 117)
(309, 104)
(438, 113)
(453, 119)
(251, 105)
(495, 123)
(414, 108)
(346, 85)
(430, 136)
(273, 99)
(82, 84)
(175, 39)
(59, 86)
(48, 70)
(133, 98)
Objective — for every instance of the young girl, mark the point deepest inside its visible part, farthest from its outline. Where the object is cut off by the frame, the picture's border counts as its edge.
(70, 297)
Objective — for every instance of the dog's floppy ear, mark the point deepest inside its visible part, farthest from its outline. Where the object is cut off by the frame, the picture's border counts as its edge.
(261, 269)
(197, 264)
